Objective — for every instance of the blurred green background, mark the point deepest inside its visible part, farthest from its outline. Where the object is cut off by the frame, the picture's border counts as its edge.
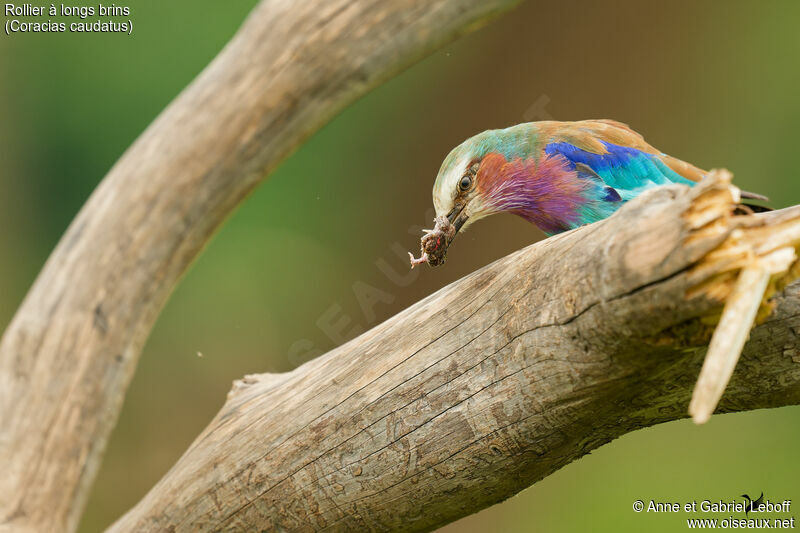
(715, 83)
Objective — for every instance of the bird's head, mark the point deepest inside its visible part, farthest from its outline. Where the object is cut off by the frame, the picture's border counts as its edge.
(503, 171)
(476, 180)
(458, 196)
(459, 192)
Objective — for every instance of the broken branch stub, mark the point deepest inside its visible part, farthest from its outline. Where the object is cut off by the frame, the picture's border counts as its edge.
(739, 272)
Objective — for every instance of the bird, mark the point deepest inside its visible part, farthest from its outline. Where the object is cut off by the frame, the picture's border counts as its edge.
(556, 175)
(752, 504)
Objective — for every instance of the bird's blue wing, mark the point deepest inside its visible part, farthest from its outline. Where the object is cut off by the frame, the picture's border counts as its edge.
(626, 170)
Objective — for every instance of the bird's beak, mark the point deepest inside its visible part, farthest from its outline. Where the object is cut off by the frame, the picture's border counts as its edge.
(457, 217)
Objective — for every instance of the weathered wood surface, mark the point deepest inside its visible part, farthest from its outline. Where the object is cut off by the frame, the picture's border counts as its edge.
(70, 351)
(493, 382)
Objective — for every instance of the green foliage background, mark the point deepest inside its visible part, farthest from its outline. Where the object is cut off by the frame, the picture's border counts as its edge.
(715, 83)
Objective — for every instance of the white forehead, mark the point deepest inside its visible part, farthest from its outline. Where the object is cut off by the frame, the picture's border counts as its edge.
(444, 189)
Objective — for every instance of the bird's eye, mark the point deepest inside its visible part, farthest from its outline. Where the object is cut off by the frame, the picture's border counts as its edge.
(465, 183)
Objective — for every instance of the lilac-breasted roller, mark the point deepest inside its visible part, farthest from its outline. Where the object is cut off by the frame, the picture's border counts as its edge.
(556, 175)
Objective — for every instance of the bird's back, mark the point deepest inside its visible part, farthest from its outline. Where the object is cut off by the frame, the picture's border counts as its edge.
(617, 154)
(620, 156)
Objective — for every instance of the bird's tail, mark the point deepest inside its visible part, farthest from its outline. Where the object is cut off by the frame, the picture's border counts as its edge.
(748, 208)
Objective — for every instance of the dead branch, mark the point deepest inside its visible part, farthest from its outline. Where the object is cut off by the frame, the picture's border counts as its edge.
(497, 380)
(70, 351)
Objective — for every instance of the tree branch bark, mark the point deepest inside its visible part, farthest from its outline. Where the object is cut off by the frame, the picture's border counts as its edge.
(495, 381)
(70, 351)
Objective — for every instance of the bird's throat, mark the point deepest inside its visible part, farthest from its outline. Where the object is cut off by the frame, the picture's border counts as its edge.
(543, 190)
